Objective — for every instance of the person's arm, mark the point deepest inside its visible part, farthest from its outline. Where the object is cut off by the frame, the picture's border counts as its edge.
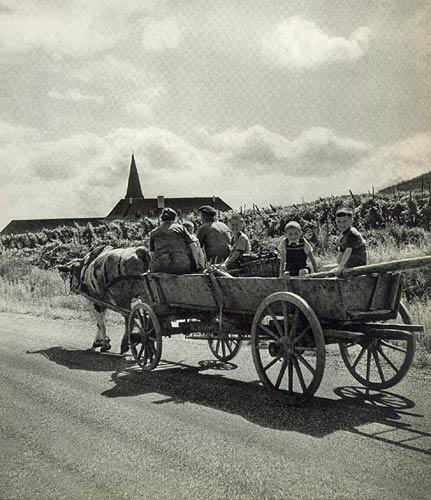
(342, 259)
(194, 249)
(309, 251)
(237, 251)
(282, 250)
(152, 247)
(234, 255)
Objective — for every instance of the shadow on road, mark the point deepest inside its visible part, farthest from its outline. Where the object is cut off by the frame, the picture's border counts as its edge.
(376, 415)
(77, 359)
(355, 408)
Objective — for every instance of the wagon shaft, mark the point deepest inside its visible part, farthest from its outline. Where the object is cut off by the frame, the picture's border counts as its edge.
(395, 265)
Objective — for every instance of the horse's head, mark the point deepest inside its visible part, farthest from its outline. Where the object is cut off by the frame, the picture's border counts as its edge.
(71, 271)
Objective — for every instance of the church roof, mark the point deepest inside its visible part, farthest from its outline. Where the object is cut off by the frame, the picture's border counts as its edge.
(134, 189)
(147, 207)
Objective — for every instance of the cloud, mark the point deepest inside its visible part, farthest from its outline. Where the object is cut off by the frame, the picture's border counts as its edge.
(298, 43)
(73, 95)
(162, 35)
(137, 90)
(15, 133)
(62, 32)
(75, 28)
(317, 151)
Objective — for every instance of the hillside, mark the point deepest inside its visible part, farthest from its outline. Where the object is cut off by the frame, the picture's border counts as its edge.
(422, 183)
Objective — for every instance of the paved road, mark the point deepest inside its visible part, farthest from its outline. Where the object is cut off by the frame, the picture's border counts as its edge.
(79, 425)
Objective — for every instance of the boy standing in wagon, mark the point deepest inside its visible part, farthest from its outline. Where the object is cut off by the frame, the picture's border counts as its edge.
(352, 250)
(295, 251)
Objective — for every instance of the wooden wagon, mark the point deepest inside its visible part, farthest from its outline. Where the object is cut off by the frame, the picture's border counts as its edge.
(289, 322)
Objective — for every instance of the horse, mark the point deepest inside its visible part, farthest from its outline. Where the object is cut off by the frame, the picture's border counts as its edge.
(108, 276)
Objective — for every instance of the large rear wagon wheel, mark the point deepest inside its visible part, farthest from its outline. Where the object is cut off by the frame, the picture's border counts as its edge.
(381, 363)
(288, 346)
(145, 336)
(226, 347)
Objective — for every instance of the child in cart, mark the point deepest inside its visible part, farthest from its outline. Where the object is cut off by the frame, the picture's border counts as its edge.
(239, 245)
(352, 250)
(295, 251)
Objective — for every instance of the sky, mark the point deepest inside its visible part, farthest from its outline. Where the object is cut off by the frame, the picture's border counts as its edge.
(257, 101)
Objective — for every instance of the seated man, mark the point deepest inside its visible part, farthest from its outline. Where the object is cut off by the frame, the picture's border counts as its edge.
(172, 249)
(214, 236)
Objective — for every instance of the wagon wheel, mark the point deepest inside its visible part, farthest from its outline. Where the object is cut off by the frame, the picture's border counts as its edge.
(226, 347)
(145, 336)
(288, 346)
(379, 364)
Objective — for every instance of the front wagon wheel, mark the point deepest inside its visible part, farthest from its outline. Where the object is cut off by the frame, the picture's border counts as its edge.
(145, 336)
(288, 346)
(381, 363)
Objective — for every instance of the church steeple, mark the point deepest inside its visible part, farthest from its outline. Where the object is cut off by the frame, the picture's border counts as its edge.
(134, 186)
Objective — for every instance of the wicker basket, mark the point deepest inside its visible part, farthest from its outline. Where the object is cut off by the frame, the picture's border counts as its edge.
(262, 268)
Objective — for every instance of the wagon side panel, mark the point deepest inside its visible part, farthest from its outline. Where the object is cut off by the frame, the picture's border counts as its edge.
(190, 291)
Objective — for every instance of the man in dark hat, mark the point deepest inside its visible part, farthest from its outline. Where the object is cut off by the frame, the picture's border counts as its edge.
(172, 249)
(214, 236)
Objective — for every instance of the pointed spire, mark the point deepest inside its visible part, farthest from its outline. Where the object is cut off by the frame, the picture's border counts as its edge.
(134, 186)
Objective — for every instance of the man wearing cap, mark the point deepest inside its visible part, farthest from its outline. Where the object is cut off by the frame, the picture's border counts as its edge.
(172, 249)
(213, 235)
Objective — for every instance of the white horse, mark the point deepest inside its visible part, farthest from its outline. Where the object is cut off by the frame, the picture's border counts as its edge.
(107, 275)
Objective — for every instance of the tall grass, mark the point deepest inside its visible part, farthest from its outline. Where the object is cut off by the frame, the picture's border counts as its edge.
(27, 289)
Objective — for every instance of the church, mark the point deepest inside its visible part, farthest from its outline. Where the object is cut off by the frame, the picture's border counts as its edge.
(132, 207)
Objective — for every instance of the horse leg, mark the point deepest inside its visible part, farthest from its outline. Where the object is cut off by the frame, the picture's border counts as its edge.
(125, 340)
(101, 340)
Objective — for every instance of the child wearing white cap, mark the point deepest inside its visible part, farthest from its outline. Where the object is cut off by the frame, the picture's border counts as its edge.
(295, 251)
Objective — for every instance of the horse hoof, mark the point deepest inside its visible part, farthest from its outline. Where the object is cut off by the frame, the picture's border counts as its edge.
(105, 347)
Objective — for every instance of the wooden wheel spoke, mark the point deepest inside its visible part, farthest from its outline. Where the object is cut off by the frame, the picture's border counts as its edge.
(300, 376)
(228, 346)
(217, 348)
(294, 324)
(151, 351)
(275, 320)
(268, 331)
(141, 350)
(272, 362)
(223, 348)
(300, 358)
(301, 335)
(359, 357)
(379, 366)
(394, 347)
(290, 375)
(281, 374)
(143, 319)
(138, 326)
(388, 361)
(367, 376)
(285, 319)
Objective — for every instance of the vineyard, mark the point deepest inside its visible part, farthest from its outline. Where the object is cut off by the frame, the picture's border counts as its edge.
(405, 220)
